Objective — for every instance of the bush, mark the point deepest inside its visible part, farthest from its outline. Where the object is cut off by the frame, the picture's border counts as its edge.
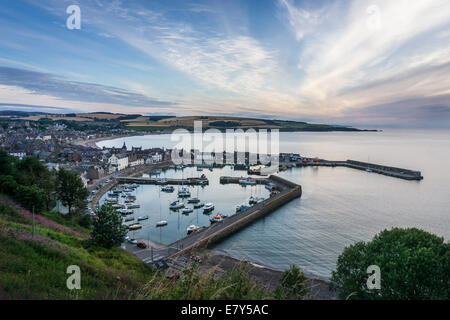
(108, 228)
(31, 197)
(414, 264)
(292, 284)
(86, 221)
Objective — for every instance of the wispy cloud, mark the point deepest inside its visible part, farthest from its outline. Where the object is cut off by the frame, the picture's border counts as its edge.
(49, 84)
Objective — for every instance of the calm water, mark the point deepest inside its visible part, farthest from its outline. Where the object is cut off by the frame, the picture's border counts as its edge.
(339, 206)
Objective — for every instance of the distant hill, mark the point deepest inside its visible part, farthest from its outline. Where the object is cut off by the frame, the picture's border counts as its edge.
(140, 122)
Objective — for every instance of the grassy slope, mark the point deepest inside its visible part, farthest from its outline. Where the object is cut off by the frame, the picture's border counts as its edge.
(35, 268)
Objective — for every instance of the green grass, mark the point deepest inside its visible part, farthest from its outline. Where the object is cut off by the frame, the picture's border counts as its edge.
(35, 268)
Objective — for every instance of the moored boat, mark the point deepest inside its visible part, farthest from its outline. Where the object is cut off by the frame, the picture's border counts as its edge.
(161, 223)
(142, 218)
(192, 228)
(168, 189)
(135, 226)
(176, 205)
(208, 207)
(187, 210)
(184, 192)
(193, 200)
(198, 205)
(217, 218)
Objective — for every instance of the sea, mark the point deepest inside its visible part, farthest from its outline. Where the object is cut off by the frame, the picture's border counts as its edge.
(339, 206)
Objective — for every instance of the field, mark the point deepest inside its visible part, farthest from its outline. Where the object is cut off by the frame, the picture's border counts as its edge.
(163, 123)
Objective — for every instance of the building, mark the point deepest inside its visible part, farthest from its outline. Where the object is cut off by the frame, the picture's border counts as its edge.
(95, 172)
(118, 162)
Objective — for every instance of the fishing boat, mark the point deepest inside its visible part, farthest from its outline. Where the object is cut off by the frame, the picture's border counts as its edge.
(198, 205)
(168, 189)
(184, 192)
(161, 223)
(192, 228)
(193, 200)
(208, 207)
(187, 210)
(142, 218)
(176, 205)
(217, 218)
(135, 226)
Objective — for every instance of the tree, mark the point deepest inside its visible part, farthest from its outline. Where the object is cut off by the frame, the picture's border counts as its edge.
(414, 264)
(108, 229)
(31, 197)
(70, 189)
(292, 284)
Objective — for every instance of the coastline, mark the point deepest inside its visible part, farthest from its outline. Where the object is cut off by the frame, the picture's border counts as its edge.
(262, 275)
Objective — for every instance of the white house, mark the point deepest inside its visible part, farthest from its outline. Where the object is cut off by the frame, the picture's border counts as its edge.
(118, 162)
(154, 158)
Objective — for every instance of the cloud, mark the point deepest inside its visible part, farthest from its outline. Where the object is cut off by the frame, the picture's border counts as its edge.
(52, 85)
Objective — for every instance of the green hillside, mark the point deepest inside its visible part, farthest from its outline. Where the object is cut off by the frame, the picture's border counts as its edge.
(35, 267)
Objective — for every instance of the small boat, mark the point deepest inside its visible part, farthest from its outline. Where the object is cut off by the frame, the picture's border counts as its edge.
(269, 186)
(184, 192)
(176, 205)
(118, 206)
(208, 207)
(125, 211)
(247, 181)
(133, 206)
(161, 223)
(142, 218)
(113, 195)
(168, 189)
(162, 181)
(187, 210)
(192, 228)
(135, 226)
(217, 218)
(128, 219)
(210, 169)
(198, 205)
(111, 200)
(241, 207)
(193, 200)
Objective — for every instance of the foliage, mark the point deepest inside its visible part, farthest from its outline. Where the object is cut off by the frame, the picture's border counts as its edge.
(108, 229)
(292, 285)
(70, 189)
(32, 198)
(414, 264)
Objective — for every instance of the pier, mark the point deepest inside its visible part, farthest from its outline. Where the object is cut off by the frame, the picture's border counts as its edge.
(395, 172)
(163, 181)
(218, 231)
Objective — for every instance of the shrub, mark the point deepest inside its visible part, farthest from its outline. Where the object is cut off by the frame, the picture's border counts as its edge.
(414, 264)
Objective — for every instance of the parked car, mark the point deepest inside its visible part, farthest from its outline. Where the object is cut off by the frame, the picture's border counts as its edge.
(142, 245)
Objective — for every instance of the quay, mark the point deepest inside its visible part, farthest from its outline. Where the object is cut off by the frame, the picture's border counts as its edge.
(218, 231)
(395, 172)
(159, 181)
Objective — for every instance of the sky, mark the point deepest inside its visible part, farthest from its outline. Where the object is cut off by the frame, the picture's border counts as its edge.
(363, 63)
